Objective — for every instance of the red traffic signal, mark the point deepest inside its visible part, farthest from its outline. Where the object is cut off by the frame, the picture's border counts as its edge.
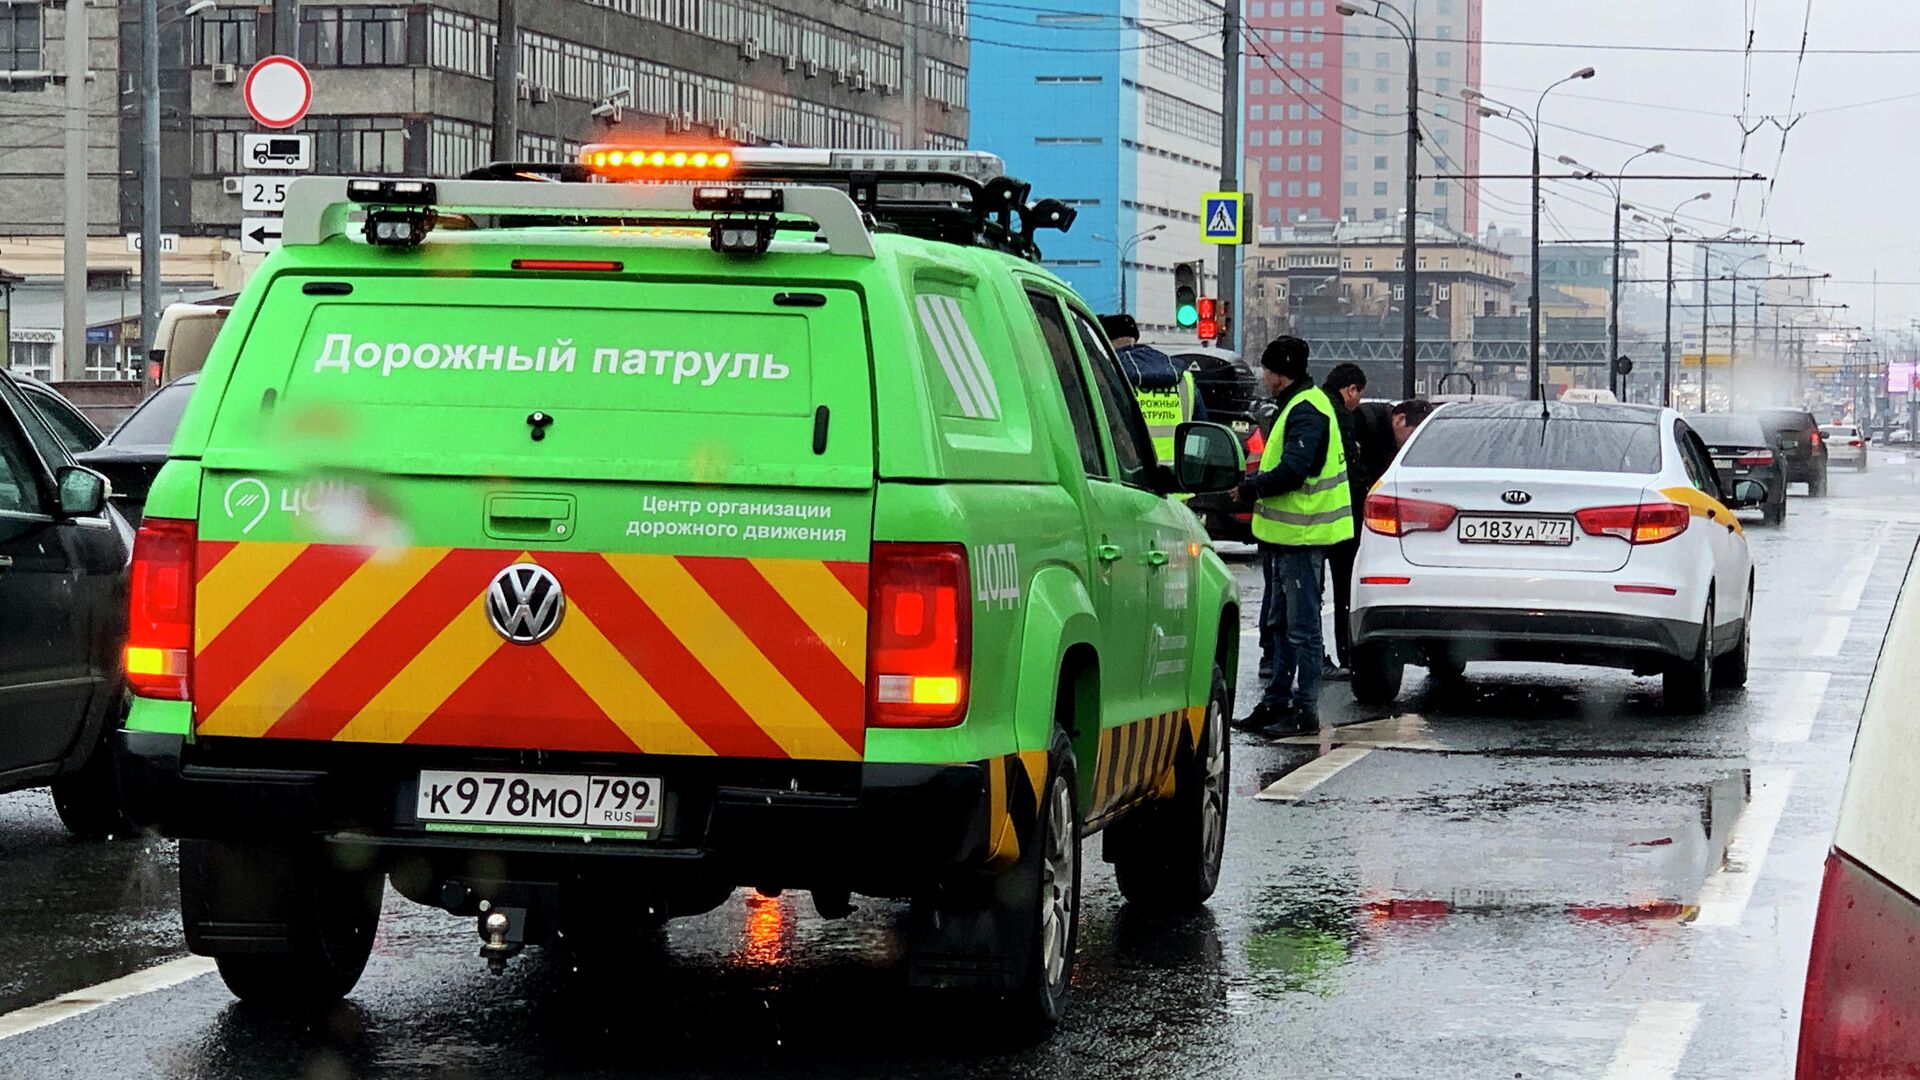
(1208, 327)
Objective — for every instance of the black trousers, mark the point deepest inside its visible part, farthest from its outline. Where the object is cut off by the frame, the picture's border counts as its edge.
(1340, 566)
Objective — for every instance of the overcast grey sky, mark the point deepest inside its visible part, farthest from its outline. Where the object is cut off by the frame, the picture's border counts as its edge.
(1847, 184)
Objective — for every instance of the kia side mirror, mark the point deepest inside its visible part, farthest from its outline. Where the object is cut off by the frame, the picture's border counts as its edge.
(1748, 493)
(1207, 458)
(83, 492)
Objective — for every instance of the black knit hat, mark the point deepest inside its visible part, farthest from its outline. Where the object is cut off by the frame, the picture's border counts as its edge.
(1286, 355)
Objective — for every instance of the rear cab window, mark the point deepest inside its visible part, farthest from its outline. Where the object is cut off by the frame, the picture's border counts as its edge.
(1559, 444)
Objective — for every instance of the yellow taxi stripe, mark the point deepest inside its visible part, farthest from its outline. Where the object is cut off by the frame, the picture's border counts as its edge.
(691, 615)
(1699, 502)
(621, 692)
(449, 660)
(233, 583)
(824, 605)
(340, 621)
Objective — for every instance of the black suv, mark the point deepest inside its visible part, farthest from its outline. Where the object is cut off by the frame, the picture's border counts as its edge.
(1797, 440)
(1742, 449)
(63, 618)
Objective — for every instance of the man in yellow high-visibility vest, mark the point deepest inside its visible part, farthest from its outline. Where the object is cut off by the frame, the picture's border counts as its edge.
(1162, 386)
(1302, 508)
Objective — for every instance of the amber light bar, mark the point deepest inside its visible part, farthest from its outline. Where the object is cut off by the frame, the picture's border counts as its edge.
(642, 162)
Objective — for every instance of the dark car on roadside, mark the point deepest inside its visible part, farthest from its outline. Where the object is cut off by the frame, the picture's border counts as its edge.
(133, 454)
(74, 430)
(64, 557)
(1236, 397)
(1795, 438)
(1742, 449)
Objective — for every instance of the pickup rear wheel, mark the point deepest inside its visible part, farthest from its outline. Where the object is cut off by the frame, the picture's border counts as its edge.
(1166, 855)
(1053, 856)
(314, 921)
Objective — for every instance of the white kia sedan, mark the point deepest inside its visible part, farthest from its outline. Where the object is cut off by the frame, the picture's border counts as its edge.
(1559, 533)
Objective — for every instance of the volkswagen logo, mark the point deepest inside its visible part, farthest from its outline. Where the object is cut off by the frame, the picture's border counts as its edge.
(524, 604)
(1516, 497)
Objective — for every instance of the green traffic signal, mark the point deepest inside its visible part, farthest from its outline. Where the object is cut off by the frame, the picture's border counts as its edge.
(1186, 294)
(1187, 315)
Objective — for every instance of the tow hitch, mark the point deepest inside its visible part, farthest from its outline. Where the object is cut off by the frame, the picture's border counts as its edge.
(502, 935)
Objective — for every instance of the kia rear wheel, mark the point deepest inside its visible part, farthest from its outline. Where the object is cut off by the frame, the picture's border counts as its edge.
(1687, 685)
(1377, 674)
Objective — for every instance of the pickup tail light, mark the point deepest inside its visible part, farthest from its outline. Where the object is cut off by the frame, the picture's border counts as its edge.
(1861, 1016)
(1390, 515)
(160, 610)
(1755, 457)
(919, 635)
(1814, 441)
(1641, 523)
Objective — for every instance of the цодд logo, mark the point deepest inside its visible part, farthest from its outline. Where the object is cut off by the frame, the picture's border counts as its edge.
(525, 604)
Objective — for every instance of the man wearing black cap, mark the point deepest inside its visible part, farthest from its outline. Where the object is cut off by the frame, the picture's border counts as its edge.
(1302, 507)
(1162, 386)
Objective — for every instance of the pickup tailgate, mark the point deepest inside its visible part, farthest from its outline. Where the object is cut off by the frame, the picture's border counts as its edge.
(607, 516)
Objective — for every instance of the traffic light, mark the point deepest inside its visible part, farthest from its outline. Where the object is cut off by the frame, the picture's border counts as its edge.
(1208, 328)
(1186, 291)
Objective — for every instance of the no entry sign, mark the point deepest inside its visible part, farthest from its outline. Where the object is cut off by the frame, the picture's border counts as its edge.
(278, 91)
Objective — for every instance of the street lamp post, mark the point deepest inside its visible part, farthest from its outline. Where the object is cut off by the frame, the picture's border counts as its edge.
(1409, 336)
(1532, 123)
(1666, 375)
(1618, 183)
(150, 26)
(1125, 251)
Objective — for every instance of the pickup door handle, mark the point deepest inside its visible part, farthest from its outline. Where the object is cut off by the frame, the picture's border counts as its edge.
(1156, 557)
(1108, 552)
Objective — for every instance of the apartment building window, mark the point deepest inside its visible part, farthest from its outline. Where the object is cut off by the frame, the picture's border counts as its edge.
(21, 43)
(1295, 137)
(1318, 7)
(353, 36)
(1446, 262)
(1439, 187)
(1443, 86)
(1293, 163)
(1367, 263)
(221, 36)
(1443, 31)
(1443, 59)
(1313, 112)
(1317, 60)
(1443, 292)
(1442, 137)
(1297, 60)
(1314, 135)
(1259, 9)
(1380, 161)
(1353, 59)
(1423, 262)
(455, 147)
(1298, 84)
(533, 148)
(216, 145)
(1353, 86)
(460, 43)
(1256, 86)
(1379, 138)
(1317, 35)
(1382, 60)
(1297, 34)
(1293, 189)
(1379, 86)
(1366, 290)
(1379, 213)
(1313, 189)
(1276, 163)
(1350, 163)
(1346, 263)
(1350, 187)
(1319, 85)
(1256, 112)
(1296, 112)
(1299, 7)
(1445, 7)
(1256, 137)
(1399, 292)
(1399, 262)
(358, 144)
(1067, 140)
(1313, 162)
(1379, 187)
(1443, 111)
(1275, 188)
(1353, 111)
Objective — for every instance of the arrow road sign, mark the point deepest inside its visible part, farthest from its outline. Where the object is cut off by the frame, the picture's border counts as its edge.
(259, 233)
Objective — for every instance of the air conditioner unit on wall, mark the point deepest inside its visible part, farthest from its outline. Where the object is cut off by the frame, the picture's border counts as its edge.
(810, 68)
(790, 61)
(750, 48)
(542, 95)
(230, 185)
(681, 122)
(225, 74)
(860, 82)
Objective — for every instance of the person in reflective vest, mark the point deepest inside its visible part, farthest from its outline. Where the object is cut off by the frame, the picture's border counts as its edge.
(1162, 386)
(1301, 509)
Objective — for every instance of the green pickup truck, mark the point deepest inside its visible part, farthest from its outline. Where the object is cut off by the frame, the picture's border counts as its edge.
(570, 554)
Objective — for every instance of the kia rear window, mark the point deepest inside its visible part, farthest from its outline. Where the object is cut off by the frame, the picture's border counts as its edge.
(1728, 430)
(1477, 442)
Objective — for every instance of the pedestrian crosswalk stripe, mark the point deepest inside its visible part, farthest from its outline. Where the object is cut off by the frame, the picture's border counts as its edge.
(79, 1002)
(1314, 773)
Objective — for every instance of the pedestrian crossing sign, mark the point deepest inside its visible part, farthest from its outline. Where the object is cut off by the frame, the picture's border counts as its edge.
(1222, 217)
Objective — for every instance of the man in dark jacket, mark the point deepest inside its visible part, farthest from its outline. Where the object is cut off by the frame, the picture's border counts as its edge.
(1344, 385)
(1301, 508)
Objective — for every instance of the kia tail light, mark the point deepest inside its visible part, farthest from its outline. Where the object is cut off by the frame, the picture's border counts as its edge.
(1861, 1016)
(1390, 515)
(160, 610)
(1855, 442)
(919, 635)
(1642, 523)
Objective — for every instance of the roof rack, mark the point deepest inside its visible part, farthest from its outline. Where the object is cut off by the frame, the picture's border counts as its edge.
(318, 207)
(914, 193)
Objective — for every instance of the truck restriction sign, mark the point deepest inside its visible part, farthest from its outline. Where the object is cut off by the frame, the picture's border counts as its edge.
(285, 153)
(278, 91)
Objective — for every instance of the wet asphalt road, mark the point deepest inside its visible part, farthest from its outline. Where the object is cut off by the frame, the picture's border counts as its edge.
(1538, 873)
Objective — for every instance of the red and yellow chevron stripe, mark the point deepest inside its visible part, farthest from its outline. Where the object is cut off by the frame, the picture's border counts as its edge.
(656, 653)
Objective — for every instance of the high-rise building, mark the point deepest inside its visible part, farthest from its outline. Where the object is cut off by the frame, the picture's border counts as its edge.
(1114, 108)
(1326, 111)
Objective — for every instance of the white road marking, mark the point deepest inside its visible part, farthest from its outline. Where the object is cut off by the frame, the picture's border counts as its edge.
(1314, 773)
(79, 1002)
(1853, 580)
(1407, 731)
(1825, 634)
(1792, 709)
(1654, 1044)
(1724, 896)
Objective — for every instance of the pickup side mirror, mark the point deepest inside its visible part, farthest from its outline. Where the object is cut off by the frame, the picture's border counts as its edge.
(1747, 493)
(1207, 458)
(83, 492)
